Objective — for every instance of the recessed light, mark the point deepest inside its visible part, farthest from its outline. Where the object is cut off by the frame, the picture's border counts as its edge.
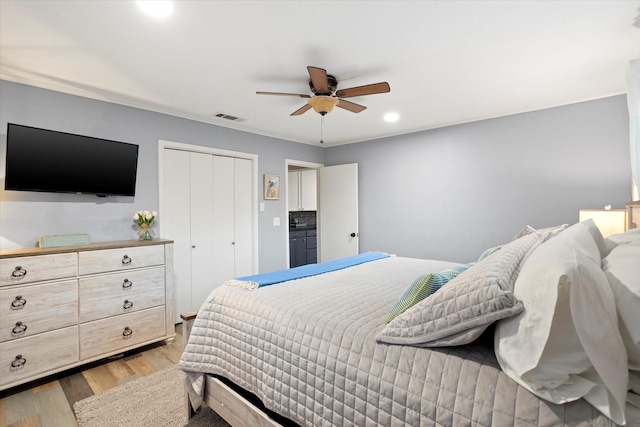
(157, 9)
(391, 117)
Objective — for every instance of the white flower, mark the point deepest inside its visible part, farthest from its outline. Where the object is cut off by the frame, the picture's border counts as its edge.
(145, 217)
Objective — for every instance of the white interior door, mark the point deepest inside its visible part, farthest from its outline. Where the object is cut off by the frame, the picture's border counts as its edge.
(203, 228)
(243, 206)
(337, 212)
(175, 219)
(222, 254)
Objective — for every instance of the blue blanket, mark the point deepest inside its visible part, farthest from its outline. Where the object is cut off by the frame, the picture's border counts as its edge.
(265, 279)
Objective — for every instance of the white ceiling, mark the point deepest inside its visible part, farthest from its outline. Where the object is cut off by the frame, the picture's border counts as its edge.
(447, 62)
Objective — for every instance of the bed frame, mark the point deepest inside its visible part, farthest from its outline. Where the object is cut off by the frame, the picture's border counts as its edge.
(225, 401)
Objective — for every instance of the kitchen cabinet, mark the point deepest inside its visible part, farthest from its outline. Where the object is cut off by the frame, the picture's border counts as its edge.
(302, 192)
(312, 247)
(302, 247)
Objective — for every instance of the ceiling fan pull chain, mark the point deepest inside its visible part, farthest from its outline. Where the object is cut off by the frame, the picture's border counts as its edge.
(322, 129)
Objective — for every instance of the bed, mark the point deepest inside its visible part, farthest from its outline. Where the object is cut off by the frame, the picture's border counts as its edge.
(540, 331)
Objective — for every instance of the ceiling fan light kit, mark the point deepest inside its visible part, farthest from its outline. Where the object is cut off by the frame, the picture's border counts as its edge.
(323, 104)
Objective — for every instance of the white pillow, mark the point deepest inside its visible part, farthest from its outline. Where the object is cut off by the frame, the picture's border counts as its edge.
(566, 344)
(622, 268)
(629, 236)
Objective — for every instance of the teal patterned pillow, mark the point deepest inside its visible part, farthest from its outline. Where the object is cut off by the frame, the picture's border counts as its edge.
(422, 287)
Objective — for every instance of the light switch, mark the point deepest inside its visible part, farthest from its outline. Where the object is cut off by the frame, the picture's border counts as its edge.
(261, 206)
(276, 221)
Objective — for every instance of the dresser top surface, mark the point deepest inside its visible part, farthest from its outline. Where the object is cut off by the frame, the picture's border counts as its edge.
(10, 253)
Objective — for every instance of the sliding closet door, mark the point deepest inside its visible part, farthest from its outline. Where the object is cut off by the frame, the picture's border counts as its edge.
(204, 240)
(222, 220)
(243, 235)
(174, 218)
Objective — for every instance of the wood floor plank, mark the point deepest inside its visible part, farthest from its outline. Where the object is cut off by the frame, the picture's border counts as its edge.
(163, 356)
(120, 370)
(141, 366)
(53, 407)
(30, 421)
(19, 406)
(2, 421)
(75, 387)
(176, 350)
(44, 386)
(100, 379)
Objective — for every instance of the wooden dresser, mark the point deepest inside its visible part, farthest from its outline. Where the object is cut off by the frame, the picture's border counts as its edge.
(67, 306)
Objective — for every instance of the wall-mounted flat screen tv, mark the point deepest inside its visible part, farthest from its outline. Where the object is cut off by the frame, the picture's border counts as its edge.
(58, 162)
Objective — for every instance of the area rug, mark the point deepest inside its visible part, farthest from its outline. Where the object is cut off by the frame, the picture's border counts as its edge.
(156, 400)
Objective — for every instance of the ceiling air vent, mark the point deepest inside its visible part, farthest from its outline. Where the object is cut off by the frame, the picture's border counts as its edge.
(227, 116)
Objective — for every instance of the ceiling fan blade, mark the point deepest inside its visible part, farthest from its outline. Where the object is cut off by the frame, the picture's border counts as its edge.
(284, 94)
(301, 110)
(319, 80)
(371, 89)
(351, 106)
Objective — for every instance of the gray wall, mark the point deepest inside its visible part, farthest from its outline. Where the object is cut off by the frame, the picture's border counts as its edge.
(452, 192)
(445, 194)
(26, 215)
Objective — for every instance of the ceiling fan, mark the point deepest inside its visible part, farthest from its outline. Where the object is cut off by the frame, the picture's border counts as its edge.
(326, 94)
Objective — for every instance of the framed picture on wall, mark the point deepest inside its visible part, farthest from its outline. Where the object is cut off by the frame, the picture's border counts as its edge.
(271, 186)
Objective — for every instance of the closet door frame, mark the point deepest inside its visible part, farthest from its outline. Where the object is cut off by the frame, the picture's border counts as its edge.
(163, 144)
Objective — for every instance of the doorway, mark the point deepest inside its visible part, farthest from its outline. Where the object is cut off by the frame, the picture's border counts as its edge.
(302, 201)
(337, 209)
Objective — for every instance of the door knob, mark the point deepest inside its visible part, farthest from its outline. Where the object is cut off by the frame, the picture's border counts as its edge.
(353, 234)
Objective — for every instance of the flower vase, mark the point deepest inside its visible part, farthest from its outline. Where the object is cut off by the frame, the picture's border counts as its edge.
(144, 220)
(145, 233)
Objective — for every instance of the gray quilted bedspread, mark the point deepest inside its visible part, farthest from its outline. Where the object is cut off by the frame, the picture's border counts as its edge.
(307, 348)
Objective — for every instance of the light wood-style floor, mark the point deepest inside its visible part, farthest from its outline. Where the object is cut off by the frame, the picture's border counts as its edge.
(49, 402)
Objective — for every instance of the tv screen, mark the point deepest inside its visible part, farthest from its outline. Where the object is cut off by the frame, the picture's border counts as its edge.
(50, 161)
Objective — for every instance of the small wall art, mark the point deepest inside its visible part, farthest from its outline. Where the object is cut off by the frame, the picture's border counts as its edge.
(271, 186)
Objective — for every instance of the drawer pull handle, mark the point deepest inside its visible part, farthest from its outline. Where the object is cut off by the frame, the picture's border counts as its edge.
(126, 260)
(127, 284)
(127, 305)
(18, 362)
(20, 328)
(18, 303)
(18, 273)
(127, 332)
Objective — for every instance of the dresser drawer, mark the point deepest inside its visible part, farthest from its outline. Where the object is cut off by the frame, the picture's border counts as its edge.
(28, 357)
(36, 268)
(119, 293)
(120, 332)
(106, 260)
(29, 310)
